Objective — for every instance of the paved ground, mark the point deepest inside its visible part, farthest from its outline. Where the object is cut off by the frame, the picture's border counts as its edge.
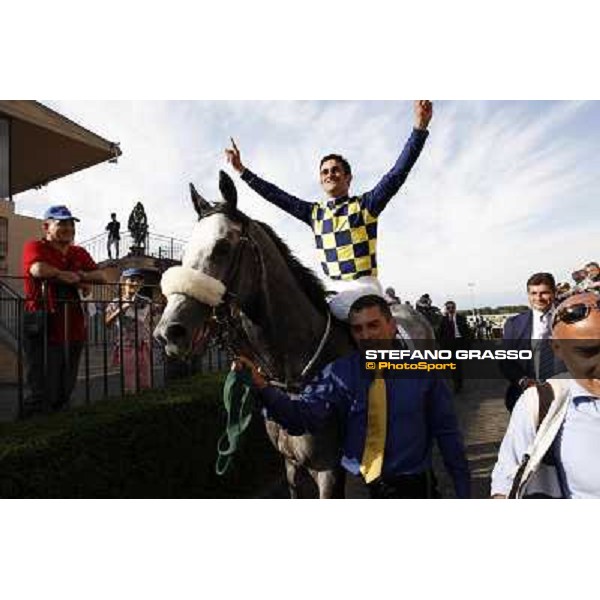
(97, 389)
(483, 419)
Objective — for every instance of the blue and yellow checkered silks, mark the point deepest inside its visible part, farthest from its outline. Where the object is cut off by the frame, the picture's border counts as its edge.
(346, 239)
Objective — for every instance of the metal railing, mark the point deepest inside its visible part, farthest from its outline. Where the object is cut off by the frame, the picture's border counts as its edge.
(107, 366)
(156, 245)
(9, 314)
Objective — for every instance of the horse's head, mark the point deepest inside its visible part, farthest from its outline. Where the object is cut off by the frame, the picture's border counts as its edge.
(217, 265)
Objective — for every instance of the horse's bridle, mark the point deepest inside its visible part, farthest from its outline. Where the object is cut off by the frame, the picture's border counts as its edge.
(231, 334)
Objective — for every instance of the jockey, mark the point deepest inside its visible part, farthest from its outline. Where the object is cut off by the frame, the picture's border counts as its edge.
(344, 226)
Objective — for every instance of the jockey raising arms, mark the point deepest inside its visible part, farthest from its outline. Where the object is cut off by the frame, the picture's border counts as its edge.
(344, 226)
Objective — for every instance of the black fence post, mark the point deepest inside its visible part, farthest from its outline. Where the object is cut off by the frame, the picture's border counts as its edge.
(21, 409)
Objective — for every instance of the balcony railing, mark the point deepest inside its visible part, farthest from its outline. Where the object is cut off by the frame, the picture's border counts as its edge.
(156, 245)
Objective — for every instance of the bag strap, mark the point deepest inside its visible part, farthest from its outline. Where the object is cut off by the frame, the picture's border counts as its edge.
(545, 398)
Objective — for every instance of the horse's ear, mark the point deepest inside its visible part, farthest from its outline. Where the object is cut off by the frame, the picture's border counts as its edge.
(200, 204)
(228, 190)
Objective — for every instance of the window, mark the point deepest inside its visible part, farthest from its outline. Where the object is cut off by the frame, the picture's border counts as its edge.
(4, 158)
(3, 244)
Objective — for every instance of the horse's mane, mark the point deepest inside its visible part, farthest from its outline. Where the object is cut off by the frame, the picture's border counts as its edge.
(311, 285)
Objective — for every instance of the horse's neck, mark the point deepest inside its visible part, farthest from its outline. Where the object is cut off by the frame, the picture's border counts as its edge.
(286, 331)
(284, 324)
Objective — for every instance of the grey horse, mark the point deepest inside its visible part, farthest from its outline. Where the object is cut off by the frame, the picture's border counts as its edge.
(240, 271)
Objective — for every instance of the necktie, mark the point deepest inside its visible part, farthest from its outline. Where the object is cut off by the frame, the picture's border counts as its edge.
(372, 459)
(546, 356)
(546, 369)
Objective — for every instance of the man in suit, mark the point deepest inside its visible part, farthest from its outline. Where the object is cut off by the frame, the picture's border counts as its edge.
(531, 330)
(454, 334)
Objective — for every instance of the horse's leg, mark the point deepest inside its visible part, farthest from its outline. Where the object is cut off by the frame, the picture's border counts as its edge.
(331, 483)
(300, 480)
(339, 491)
(291, 473)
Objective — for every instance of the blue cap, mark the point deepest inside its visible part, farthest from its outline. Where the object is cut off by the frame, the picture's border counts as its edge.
(133, 272)
(59, 213)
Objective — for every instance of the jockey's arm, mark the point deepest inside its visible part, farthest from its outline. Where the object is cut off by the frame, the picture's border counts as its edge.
(290, 204)
(376, 199)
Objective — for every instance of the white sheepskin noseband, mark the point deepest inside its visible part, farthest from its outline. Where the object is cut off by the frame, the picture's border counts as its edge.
(197, 285)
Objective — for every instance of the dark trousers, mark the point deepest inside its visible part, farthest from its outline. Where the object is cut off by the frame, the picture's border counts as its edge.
(50, 372)
(112, 242)
(422, 485)
(456, 374)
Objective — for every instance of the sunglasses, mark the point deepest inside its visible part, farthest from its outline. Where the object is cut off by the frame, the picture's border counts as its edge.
(575, 313)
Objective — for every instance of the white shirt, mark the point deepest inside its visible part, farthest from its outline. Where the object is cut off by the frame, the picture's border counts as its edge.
(541, 330)
(576, 448)
(542, 325)
(456, 331)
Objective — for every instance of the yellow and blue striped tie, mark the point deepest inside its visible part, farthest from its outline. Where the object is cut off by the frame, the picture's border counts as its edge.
(372, 458)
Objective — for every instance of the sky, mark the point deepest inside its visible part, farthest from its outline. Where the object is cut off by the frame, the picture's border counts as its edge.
(501, 190)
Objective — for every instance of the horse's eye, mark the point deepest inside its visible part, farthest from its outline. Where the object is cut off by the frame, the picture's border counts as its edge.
(222, 248)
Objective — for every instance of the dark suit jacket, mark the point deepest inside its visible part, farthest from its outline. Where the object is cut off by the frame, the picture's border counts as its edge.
(446, 333)
(517, 336)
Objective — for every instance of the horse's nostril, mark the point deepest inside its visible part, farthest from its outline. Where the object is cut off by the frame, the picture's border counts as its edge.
(174, 332)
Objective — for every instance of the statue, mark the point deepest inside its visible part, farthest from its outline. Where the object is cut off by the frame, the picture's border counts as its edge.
(138, 227)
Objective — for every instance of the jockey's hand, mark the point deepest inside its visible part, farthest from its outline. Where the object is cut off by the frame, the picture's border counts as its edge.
(258, 379)
(423, 113)
(234, 157)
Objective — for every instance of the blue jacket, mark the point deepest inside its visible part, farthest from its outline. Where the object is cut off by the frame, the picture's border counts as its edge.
(345, 228)
(419, 410)
(517, 336)
(375, 200)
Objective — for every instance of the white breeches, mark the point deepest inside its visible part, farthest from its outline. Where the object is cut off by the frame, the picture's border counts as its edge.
(350, 291)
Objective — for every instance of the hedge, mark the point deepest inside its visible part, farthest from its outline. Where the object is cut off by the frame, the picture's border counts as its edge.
(157, 444)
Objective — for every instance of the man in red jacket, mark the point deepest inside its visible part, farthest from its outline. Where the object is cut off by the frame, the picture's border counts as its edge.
(54, 323)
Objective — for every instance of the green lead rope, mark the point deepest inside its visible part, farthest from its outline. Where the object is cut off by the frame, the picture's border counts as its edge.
(238, 397)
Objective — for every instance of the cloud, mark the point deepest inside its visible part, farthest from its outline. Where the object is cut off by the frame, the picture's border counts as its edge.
(502, 189)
